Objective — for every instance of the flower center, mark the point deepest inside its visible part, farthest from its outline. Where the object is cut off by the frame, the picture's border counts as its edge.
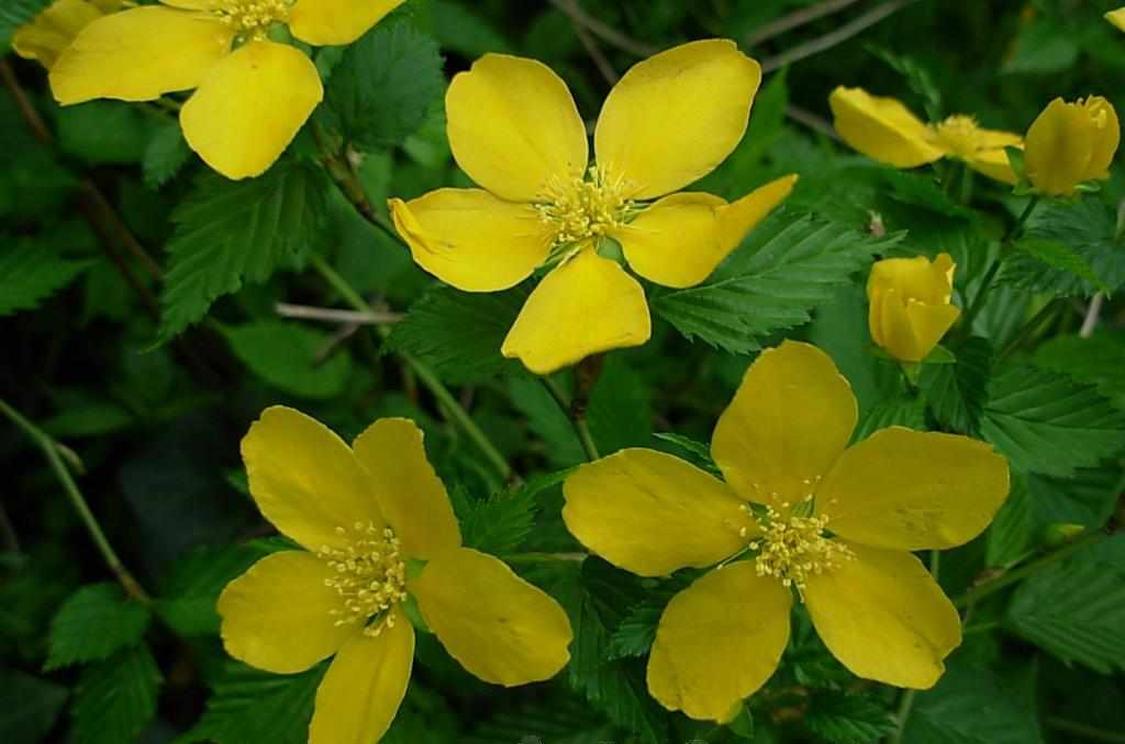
(793, 548)
(578, 209)
(959, 134)
(252, 18)
(370, 576)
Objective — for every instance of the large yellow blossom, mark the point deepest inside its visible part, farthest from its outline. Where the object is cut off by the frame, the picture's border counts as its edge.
(909, 304)
(1070, 143)
(50, 32)
(885, 130)
(516, 132)
(251, 96)
(377, 527)
(834, 523)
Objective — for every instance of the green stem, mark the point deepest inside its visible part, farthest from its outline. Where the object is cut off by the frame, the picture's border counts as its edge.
(903, 715)
(545, 557)
(986, 281)
(1085, 732)
(1029, 328)
(576, 415)
(995, 584)
(444, 397)
(54, 459)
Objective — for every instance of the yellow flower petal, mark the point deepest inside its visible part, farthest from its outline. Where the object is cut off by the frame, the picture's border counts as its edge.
(1117, 18)
(470, 239)
(52, 31)
(909, 300)
(513, 126)
(305, 480)
(884, 617)
(994, 164)
(586, 305)
(1107, 136)
(250, 107)
(651, 513)
(411, 497)
(679, 240)
(1069, 143)
(882, 128)
(675, 116)
(790, 419)
(913, 490)
(138, 55)
(324, 22)
(718, 641)
(499, 627)
(278, 615)
(363, 688)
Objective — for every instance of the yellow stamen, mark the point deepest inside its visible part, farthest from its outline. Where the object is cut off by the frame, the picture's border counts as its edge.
(958, 134)
(252, 18)
(370, 576)
(579, 209)
(792, 548)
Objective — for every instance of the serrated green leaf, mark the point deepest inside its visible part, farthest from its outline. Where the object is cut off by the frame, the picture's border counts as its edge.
(165, 153)
(1076, 608)
(94, 623)
(1012, 533)
(291, 357)
(187, 601)
(30, 272)
(786, 267)
(635, 634)
(498, 524)
(839, 718)
(900, 411)
(228, 232)
(956, 393)
(1052, 254)
(697, 453)
(1098, 359)
(458, 334)
(558, 721)
(384, 86)
(251, 706)
(116, 698)
(29, 707)
(1046, 423)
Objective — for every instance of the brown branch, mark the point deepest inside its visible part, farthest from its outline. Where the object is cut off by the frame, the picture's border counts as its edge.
(603, 31)
(840, 35)
(333, 315)
(794, 20)
(595, 52)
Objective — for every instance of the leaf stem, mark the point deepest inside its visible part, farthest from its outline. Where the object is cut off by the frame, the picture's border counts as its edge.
(576, 557)
(902, 716)
(447, 400)
(575, 410)
(51, 450)
(986, 281)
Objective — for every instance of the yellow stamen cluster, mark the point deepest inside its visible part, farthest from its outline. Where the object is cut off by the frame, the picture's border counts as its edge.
(370, 576)
(792, 548)
(252, 18)
(579, 209)
(959, 134)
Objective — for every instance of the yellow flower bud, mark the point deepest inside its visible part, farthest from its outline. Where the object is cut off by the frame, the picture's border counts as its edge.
(910, 309)
(1070, 143)
(1117, 18)
(50, 32)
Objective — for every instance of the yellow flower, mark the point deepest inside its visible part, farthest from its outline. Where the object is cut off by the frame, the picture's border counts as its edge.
(885, 130)
(516, 132)
(50, 32)
(1117, 18)
(1069, 143)
(368, 517)
(909, 304)
(251, 96)
(809, 514)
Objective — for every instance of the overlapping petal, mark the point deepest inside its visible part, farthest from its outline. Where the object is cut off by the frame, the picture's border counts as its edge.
(139, 54)
(651, 513)
(326, 22)
(675, 116)
(718, 641)
(305, 479)
(472, 240)
(790, 419)
(278, 615)
(1117, 18)
(884, 617)
(250, 106)
(586, 305)
(499, 627)
(514, 128)
(1069, 143)
(882, 128)
(411, 496)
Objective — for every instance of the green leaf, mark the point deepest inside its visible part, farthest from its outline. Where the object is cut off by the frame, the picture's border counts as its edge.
(1012, 533)
(28, 707)
(840, 718)
(697, 453)
(94, 623)
(498, 524)
(620, 410)
(31, 272)
(900, 411)
(463, 31)
(187, 601)
(784, 269)
(15, 13)
(386, 83)
(957, 393)
(556, 720)
(116, 698)
(635, 634)
(291, 357)
(228, 232)
(1098, 360)
(104, 132)
(251, 706)
(1042, 47)
(546, 420)
(165, 153)
(1046, 423)
(458, 334)
(1027, 266)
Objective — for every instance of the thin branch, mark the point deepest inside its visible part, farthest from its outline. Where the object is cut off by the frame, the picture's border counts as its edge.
(334, 315)
(1090, 322)
(595, 52)
(603, 31)
(839, 36)
(812, 121)
(797, 18)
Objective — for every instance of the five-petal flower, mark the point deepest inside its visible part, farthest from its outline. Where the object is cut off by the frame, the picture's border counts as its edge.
(835, 523)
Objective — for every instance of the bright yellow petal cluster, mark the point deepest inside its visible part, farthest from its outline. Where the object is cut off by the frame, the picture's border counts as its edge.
(252, 95)
(808, 513)
(885, 130)
(367, 516)
(516, 132)
(1069, 143)
(909, 304)
(52, 31)
(1117, 18)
